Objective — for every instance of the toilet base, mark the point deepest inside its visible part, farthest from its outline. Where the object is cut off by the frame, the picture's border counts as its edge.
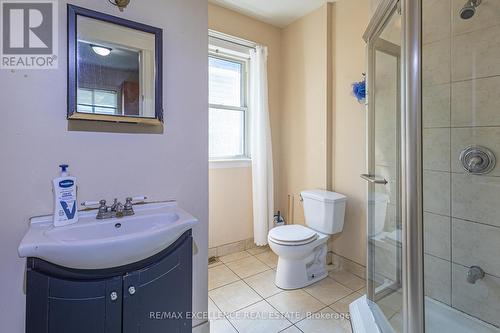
(299, 273)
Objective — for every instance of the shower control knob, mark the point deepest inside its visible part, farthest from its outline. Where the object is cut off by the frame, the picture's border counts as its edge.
(477, 160)
(113, 296)
(131, 290)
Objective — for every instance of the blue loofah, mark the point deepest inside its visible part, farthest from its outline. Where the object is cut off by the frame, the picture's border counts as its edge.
(359, 90)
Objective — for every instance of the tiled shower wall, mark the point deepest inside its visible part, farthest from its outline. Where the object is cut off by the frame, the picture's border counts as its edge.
(461, 81)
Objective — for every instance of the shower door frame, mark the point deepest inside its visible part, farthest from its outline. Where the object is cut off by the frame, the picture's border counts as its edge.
(411, 168)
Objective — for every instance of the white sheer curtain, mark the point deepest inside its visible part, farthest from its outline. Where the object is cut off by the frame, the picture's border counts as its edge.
(261, 148)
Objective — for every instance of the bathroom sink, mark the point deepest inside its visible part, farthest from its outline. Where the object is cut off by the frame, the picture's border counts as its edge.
(100, 244)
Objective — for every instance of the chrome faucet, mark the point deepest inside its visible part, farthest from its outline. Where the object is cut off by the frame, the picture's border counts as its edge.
(475, 273)
(117, 209)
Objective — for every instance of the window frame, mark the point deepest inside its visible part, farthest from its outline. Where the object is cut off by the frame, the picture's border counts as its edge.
(94, 106)
(244, 93)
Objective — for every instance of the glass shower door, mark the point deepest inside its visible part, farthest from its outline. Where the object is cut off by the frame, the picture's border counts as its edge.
(384, 197)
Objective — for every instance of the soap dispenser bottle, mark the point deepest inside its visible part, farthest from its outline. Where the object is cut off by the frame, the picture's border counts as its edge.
(65, 205)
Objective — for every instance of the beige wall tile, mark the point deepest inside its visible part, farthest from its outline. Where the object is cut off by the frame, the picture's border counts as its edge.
(481, 299)
(476, 244)
(461, 138)
(437, 235)
(436, 63)
(476, 54)
(234, 256)
(437, 20)
(436, 149)
(475, 102)
(486, 16)
(437, 192)
(230, 248)
(437, 279)
(436, 105)
(475, 198)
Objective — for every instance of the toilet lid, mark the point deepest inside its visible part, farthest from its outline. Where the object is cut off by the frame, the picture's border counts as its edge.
(293, 234)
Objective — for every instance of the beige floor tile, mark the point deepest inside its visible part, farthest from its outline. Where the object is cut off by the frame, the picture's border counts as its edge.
(221, 326)
(263, 283)
(291, 329)
(234, 296)
(214, 313)
(220, 276)
(215, 263)
(342, 306)
(325, 321)
(258, 318)
(295, 304)
(268, 258)
(328, 290)
(349, 280)
(257, 250)
(247, 267)
(234, 256)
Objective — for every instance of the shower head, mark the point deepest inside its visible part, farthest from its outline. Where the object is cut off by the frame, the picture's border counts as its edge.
(469, 9)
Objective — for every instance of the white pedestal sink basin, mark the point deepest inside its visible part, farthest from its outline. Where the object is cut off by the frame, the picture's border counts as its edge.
(100, 244)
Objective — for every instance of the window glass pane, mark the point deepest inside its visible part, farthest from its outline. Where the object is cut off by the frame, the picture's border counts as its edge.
(84, 96)
(84, 108)
(105, 98)
(102, 110)
(225, 82)
(226, 133)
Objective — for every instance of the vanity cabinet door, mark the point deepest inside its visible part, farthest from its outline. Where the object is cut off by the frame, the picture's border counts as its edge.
(158, 298)
(78, 306)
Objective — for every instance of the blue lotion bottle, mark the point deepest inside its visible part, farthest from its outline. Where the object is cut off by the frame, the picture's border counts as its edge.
(65, 205)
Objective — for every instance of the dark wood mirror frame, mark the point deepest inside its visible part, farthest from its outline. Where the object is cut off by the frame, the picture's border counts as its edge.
(73, 13)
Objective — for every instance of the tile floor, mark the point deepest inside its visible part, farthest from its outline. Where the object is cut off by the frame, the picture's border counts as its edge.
(244, 299)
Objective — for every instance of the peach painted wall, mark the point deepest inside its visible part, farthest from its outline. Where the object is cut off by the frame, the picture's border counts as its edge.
(230, 199)
(350, 19)
(305, 110)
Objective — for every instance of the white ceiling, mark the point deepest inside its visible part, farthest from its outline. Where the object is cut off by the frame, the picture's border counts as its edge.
(276, 12)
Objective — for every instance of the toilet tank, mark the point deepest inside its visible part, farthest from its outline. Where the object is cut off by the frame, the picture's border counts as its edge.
(324, 211)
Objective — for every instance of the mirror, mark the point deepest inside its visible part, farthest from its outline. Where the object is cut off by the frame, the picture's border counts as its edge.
(114, 68)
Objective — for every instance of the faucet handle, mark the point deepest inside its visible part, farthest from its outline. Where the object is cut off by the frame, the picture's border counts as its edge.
(89, 204)
(139, 198)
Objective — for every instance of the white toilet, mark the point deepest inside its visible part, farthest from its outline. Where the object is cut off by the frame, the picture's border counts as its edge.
(302, 250)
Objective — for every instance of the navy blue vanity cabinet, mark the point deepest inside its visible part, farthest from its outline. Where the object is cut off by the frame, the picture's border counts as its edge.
(150, 296)
(154, 298)
(61, 306)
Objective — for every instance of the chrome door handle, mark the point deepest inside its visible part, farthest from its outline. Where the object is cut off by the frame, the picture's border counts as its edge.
(372, 179)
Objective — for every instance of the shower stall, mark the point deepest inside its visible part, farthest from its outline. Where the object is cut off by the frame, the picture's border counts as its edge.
(432, 178)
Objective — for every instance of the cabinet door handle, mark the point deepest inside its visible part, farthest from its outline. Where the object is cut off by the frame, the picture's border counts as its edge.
(113, 296)
(131, 290)
(373, 180)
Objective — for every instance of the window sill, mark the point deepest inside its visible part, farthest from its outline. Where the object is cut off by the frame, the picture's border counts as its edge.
(229, 164)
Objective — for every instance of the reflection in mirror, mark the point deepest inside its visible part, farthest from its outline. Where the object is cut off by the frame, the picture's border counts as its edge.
(114, 68)
(114, 72)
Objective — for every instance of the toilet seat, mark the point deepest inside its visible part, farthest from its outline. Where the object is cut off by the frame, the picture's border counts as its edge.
(292, 235)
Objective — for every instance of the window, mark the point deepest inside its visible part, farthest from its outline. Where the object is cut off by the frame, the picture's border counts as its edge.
(97, 101)
(228, 110)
